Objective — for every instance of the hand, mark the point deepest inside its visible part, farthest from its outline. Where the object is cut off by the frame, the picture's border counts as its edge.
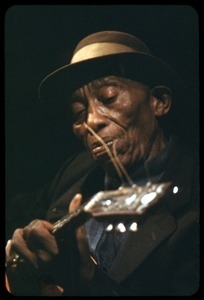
(36, 246)
(86, 264)
(34, 243)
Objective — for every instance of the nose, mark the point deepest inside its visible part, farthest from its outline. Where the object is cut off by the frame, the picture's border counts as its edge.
(96, 119)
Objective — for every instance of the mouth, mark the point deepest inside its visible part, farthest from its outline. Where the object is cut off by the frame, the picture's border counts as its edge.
(99, 149)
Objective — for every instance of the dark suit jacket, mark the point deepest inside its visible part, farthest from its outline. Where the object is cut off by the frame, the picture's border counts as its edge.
(161, 259)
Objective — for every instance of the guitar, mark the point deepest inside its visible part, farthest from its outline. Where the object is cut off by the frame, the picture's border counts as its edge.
(114, 205)
(125, 203)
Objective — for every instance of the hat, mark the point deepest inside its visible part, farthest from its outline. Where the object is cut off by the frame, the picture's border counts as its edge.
(101, 54)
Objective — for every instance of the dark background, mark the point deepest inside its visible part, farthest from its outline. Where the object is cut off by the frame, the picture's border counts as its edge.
(41, 38)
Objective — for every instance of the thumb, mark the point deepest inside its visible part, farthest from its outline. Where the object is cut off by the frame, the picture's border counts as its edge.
(75, 202)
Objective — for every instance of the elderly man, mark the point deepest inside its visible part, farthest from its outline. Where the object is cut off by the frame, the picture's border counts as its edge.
(116, 96)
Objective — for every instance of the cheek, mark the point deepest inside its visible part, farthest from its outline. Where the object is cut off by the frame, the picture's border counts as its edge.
(131, 108)
(139, 124)
(76, 130)
(123, 114)
(79, 131)
(128, 116)
(140, 114)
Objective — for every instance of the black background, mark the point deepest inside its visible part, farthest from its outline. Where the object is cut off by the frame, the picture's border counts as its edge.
(41, 38)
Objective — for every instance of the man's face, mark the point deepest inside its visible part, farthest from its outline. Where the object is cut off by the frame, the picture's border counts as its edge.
(116, 109)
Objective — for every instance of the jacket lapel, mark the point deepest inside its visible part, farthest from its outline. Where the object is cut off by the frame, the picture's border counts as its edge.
(140, 244)
(156, 227)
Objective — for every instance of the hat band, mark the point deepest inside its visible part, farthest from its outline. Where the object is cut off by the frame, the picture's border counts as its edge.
(99, 49)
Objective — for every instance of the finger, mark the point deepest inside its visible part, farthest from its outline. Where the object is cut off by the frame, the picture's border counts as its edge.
(40, 239)
(75, 202)
(18, 245)
(86, 265)
(38, 222)
(8, 249)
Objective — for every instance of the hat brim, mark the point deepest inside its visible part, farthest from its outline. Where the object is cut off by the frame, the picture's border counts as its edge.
(56, 88)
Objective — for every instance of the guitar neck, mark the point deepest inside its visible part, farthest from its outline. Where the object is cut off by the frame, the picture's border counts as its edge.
(76, 217)
(115, 205)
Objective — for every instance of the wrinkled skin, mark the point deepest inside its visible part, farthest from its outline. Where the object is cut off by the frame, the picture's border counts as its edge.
(115, 108)
(123, 110)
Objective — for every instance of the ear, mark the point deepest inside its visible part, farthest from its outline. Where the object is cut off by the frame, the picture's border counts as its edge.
(161, 100)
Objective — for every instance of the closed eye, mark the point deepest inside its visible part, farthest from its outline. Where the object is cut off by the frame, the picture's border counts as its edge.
(107, 100)
(79, 116)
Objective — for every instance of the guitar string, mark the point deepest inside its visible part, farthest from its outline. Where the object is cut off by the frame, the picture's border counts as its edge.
(130, 181)
(119, 169)
(114, 158)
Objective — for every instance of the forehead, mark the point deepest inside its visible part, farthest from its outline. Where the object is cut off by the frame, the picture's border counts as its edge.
(109, 81)
(99, 83)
